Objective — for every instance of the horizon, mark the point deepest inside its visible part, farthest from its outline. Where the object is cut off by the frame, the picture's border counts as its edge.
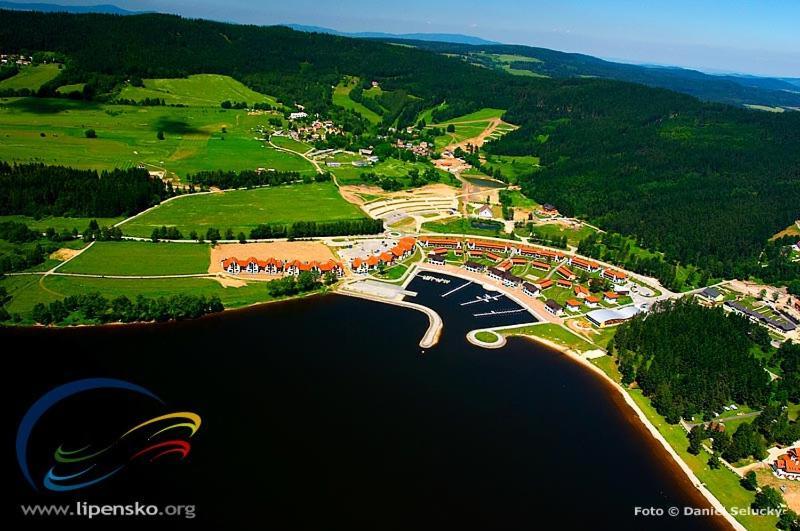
(742, 36)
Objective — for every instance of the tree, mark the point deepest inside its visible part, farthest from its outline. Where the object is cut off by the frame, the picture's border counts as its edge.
(788, 521)
(749, 481)
(768, 498)
(90, 133)
(696, 436)
(160, 135)
(229, 234)
(451, 128)
(212, 235)
(154, 236)
(193, 235)
(241, 237)
(714, 462)
(307, 281)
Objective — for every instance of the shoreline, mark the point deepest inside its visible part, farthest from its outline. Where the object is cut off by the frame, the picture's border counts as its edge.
(646, 423)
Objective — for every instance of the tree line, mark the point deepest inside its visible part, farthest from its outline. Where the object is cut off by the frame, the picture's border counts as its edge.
(97, 308)
(38, 190)
(252, 178)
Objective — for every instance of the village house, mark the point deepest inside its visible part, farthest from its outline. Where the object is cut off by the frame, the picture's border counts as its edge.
(711, 296)
(592, 301)
(540, 265)
(617, 277)
(573, 305)
(581, 291)
(787, 466)
(482, 245)
(586, 265)
(510, 280)
(562, 283)
(548, 210)
(553, 307)
(474, 267)
(505, 266)
(538, 253)
(298, 115)
(781, 326)
(610, 297)
(566, 273)
(485, 212)
(436, 259)
(493, 257)
(496, 273)
(544, 284)
(530, 289)
(432, 241)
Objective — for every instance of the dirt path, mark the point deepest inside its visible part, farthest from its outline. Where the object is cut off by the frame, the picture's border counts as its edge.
(479, 140)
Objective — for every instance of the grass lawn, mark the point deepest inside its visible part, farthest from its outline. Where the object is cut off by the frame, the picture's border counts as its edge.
(391, 167)
(341, 97)
(520, 201)
(554, 333)
(481, 115)
(52, 131)
(59, 223)
(31, 77)
(291, 144)
(26, 291)
(140, 258)
(68, 89)
(487, 337)
(243, 210)
(554, 230)
(202, 90)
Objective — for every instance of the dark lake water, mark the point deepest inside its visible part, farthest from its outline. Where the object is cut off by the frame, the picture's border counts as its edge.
(323, 413)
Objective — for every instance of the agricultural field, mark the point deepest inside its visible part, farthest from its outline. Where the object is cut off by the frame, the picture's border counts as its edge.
(26, 291)
(243, 210)
(52, 131)
(200, 90)
(68, 89)
(341, 97)
(60, 224)
(31, 77)
(466, 126)
(503, 62)
(291, 144)
(348, 174)
(140, 258)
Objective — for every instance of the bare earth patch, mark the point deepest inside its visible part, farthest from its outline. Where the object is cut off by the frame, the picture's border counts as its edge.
(352, 192)
(303, 251)
(230, 282)
(64, 254)
(792, 488)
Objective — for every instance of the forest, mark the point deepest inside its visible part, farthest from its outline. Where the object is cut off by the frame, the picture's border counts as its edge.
(693, 360)
(704, 183)
(38, 190)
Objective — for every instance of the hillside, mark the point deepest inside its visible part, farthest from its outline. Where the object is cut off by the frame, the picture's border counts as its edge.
(528, 60)
(706, 183)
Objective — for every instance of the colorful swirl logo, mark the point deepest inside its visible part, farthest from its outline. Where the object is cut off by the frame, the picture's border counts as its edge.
(77, 468)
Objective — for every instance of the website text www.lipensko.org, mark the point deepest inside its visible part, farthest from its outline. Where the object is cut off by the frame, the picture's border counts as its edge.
(86, 510)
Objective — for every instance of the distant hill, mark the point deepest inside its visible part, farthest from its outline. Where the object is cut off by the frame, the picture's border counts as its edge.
(542, 62)
(455, 38)
(106, 9)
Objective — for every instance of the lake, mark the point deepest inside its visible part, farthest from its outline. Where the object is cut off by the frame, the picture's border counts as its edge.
(325, 413)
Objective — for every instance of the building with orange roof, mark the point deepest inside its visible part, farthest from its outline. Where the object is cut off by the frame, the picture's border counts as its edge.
(483, 245)
(435, 241)
(586, 265)
(787, 466)
(573, 305)
(539, 253)
(566, 273)
(386, 258)
(592, 301)
(610, 297)
(544, 284)
(617, 277)
(540, 265)
(505, 265)
(563, 283)
(581, 291)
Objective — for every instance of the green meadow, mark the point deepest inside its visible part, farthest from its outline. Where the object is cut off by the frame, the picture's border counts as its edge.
(203, 90)
(341, 97)
(140, 258)
(243, 210)
(291, 144)
(52, 131)
(60, 224)
(26, 291)
(31, 77)
(390, 167)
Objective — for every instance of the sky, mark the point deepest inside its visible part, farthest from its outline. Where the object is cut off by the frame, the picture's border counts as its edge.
(759, 37)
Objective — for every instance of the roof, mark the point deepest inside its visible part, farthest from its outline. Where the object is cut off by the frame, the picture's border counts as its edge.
(573, 302)
(553, 305)
(592, 298)
(611, 295)
(710, 293)
(605, 315)
(496, 271)
(614, 273)
(530, 287)
(545, 283)
(585, 263)
(474, 265)
(436, 258)
(581, 290)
